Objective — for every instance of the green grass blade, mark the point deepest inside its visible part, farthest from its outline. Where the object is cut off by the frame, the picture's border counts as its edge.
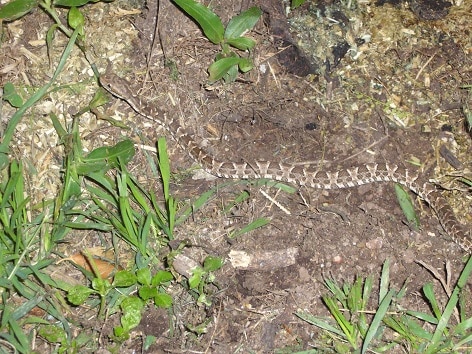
(139, 195)
(334, 288)
(451, 304)
(463, 343)
(260, 222)
(377, 320)
(384, 280)
(21, 342)
(209, 22)
(125, 211)
(321, 323)
(270, 183)
(196, 205)
(354, 297)
(423, 316)
(98, 226)
(144, 231)
(416, 330)
(407, 206)
(428, 291)
(347, 328)
(366, 291)
(464, 326)
(164, 166)
(16, 118)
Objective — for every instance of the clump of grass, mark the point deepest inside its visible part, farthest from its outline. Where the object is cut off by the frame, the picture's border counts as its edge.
(358, 328)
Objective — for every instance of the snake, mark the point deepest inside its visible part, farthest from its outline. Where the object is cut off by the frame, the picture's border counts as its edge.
(297, 174)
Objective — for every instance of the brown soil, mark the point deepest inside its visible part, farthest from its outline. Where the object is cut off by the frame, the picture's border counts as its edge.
(397, 95)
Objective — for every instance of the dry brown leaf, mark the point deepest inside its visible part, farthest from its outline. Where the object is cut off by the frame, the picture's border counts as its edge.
(106, 269)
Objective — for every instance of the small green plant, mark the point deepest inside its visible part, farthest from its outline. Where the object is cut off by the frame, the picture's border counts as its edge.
(359, 329)
(112, 211)
(203, 276)
(116, 295)
(21, 237)
(228, 62)
(16, 9)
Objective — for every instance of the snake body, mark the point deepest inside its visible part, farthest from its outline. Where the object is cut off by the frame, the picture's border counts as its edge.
(293, 173)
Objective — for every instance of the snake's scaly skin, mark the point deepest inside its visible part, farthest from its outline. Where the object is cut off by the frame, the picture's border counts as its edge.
(303, 176)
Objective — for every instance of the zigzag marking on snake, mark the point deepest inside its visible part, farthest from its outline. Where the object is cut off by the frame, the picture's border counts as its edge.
(300, 175)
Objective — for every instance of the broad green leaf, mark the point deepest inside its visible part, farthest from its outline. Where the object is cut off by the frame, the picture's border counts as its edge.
(132, 307)
(203, 299)
(102, 286)
(209, 22)
(99, 99)
(144, 276)
(242, 23)
(71, 3)
(10, 95)
(132, 303)
(231, 75)
(120, 333)
(76, 19)
(221, 67)
(211, 263)
(107, 156)
(196, 277)
(245, 65)
(16, 9)
(124, 278)
(161, 277)
(407, 206)
(131, 319)
(78, 294)
(53, 334)
(242, 43)
(163, 300)
(199, 329)
(146, 292)
(84, 169)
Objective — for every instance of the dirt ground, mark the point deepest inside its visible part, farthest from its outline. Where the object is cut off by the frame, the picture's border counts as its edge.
(372, 82)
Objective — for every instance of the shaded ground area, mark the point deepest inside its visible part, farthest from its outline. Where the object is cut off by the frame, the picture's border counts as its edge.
(384, 85)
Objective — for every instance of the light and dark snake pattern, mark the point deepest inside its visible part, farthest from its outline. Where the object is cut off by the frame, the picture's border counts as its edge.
(293, 173)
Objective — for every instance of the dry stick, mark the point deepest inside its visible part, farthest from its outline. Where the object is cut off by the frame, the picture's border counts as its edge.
(424, 66)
